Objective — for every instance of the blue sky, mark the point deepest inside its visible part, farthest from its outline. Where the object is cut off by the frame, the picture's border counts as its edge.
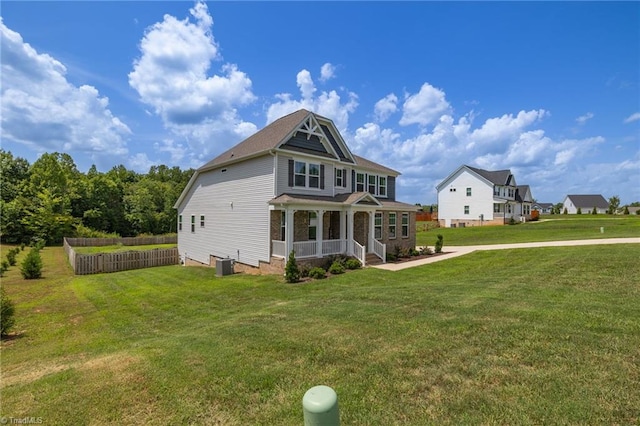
(550, 90)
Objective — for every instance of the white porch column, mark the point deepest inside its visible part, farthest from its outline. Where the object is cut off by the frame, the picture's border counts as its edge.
(319, 232)
(372, 231)
(288, 240)
(343, 230)
(349, 232)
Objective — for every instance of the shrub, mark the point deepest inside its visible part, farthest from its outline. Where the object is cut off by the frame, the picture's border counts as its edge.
(82, 231)
(413, 252)
(565, 211)
(579, 211)
(594, 211)
(32, 265)
(439, 242)
(291, 271)
(426, 250)
(304, 270)
(4, 267)
(38, 243)
(336, 268)
(22, 246)
(11, 257)
(391, 257)
(626, 210)
(317, 273)
(353, 264)
(512, 221)
(6, 313)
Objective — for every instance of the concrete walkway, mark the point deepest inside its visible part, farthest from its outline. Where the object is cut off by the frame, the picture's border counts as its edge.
(455, 251)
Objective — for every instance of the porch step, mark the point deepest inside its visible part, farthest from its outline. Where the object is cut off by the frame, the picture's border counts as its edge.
(372, 259)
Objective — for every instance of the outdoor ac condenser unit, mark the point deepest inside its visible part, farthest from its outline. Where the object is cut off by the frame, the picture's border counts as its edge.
(224, 267)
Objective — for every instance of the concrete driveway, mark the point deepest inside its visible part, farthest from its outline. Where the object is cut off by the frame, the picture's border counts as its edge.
(455, 251)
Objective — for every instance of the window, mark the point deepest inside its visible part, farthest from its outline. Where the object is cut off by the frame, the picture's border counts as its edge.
(340, 178)
(180, 223)
(508, 208)
(314, 175)
(466, 209)
(392, 225)
(496, 208)
(201, 221)
(468, 192)
(372, 184)
(405, 224)
(313, 225)
(359, 182)
(300, 174)
(382, 186)
(193, 223)
(283, 225)
(306, 174)
(496, 190)
(377, 224)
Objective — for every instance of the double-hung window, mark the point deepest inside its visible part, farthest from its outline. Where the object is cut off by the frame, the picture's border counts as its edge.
(359, 182)
(382, 186)
(405, 224)
(468, 192)
(193, 223)
(466, 209)
(371, 188)
(180, 223)
(313, 225)
(306, 175)
(378, 226)
(314, 175)
(201, 221)
(392, 225)
(339, 182)
(300, 174)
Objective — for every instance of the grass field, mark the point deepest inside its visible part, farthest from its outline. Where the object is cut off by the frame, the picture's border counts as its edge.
(550, 228)
(536, 336)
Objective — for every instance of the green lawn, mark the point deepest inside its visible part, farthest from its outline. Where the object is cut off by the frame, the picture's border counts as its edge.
(120, 248)
(550, 228)
(536, 336)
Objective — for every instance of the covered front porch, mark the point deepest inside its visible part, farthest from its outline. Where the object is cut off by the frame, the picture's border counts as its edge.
(312, 229)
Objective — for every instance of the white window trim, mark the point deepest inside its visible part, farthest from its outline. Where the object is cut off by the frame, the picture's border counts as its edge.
(307, 175)
(364, 181)
(395, 225)
(403, 225)
(376, 226)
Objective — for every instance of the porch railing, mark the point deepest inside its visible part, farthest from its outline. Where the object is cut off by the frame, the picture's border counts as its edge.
(380, 250)
(279, 248)
(358, 251)
(330, 247)
(305, 249)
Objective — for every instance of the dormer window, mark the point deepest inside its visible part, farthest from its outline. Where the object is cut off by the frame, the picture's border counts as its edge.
(382, 186)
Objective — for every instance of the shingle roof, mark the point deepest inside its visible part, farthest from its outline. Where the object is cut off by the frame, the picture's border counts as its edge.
(264, 140)
(521, 191)
(589, 201)
(339, 200)
(498, 177)
(271, 136)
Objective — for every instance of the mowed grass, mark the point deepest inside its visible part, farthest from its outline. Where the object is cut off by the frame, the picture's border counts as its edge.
(120, 248)
(549, 228)
(535, 336)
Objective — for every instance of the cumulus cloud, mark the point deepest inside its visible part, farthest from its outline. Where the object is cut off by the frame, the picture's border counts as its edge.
(328, 104)
(327, 72)
(424, 107)
(633, 117)
(385, 107)
(172, 76)
(584, 118)
(41, 109)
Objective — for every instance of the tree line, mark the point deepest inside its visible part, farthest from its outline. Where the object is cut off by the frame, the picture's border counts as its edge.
(51, 199)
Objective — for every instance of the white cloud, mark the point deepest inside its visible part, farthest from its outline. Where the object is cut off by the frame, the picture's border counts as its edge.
(41, 109)
(424, 107)
(327, 72)
(328, 104)
(172, 76)
(584, 118)
(633, 117)
(385, 107)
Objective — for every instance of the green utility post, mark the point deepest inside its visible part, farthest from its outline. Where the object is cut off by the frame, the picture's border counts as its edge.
(320, 407)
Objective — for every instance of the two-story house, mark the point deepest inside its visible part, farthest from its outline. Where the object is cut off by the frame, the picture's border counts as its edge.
(292, 186)
(474, 197)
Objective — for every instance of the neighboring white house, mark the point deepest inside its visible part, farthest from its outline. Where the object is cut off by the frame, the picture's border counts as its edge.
(294, 185)
(543, 208)
(585, 203)
(471, 197)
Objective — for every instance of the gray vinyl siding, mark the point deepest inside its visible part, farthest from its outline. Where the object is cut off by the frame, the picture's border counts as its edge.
(236, 212)
(311, 145)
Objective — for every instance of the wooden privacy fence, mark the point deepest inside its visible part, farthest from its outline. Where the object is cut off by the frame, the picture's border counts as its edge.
(84, 264)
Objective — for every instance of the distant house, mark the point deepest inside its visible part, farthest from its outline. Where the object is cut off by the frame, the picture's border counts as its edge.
(543, 208)
(585, 203)
(471, 197)
(292, 186)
